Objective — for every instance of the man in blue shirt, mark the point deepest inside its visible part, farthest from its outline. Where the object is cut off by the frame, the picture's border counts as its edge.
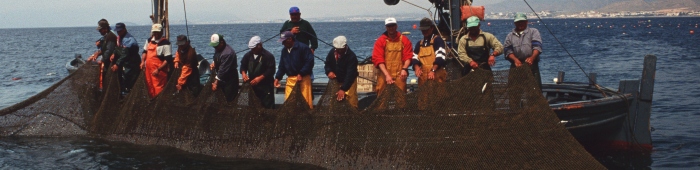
(297, 62)
(127, 59)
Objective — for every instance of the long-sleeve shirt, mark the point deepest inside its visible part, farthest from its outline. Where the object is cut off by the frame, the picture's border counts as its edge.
(108, 46)
(128, 52)
(307, 34)
(380, 46)
(522, 44)
(187, 59)
(226, 66)
(344, 66)
(438, 47)
(298, 60)
(266, 62)
(491, 40)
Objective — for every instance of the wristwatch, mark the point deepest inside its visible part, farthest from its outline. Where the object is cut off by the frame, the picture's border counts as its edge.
(433, 70)
(406, 69)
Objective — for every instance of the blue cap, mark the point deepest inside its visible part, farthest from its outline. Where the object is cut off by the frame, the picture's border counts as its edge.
(285, 35)
(120, 26)
(294, 10)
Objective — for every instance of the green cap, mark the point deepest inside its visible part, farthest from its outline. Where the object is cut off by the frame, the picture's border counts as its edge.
(520, 17)
(215, 39)
(473, 21)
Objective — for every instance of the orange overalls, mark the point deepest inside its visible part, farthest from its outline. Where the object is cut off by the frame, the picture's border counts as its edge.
(426, 56)
(393, 52)
(155, 84)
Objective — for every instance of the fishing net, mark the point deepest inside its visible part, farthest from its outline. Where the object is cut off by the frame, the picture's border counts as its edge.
(491, 120)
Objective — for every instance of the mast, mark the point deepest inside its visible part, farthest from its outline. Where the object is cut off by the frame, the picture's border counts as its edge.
(160, 16)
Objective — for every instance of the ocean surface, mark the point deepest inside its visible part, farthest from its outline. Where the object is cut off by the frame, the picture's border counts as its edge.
(33, 59)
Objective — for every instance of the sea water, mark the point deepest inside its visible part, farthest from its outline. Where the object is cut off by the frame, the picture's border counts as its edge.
(33, 59)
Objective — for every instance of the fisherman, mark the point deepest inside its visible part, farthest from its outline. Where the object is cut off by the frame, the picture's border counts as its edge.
(186, 58)
(341, 66)
(522, 46)
(107, 48)
(429, 55)
(475, 47)
(392, 54)
(297, 62)
(156, 53)
(258, 68)
(302, 30)
(225, 66)
(127, 62)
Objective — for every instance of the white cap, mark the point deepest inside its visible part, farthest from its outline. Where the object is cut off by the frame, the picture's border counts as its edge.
(254, 42)
(340, 42)
(390, 21)
(156, 28)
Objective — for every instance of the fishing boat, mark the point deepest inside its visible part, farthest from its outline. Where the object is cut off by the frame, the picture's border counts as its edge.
(73, 65)
(599, 118)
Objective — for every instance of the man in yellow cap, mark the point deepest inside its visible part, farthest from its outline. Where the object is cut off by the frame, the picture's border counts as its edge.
(475, 48)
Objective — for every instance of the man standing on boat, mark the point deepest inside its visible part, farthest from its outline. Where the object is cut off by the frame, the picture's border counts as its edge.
(107, 45)
(475, 47)
(341, 66)
(156, 53)
(392, 54)
(186, 58)
(127, 59)
(302, 30)
(429, 60)
(225, 66)
(429, 55)
(258, 68)
(297, 62)
(524, 46)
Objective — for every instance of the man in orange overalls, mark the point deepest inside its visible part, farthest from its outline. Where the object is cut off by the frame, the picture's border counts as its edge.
(429, 60)
(392, 55)
(156, 53)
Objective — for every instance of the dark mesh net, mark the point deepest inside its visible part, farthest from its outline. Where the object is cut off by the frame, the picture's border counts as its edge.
(491, 120)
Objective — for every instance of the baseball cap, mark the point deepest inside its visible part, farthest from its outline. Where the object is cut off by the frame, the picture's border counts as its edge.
(473, 21)
(120, 26)
(294, 10)
(156, 28)
(254, 42)
(390, 21)
(285, 35)
(181, 40)
(520, 17)
(340, 42)
(216, 39)
(102, 24)
(425, 24)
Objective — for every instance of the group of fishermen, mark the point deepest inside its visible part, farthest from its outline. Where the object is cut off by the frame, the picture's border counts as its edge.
(393, 54)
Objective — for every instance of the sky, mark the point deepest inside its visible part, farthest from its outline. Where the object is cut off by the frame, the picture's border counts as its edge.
(79, 13)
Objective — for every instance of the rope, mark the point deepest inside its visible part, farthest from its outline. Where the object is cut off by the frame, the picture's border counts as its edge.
(567, 51)
(187, 28)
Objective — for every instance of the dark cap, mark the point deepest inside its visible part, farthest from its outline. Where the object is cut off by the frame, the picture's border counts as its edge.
(102, 24)
(425, 24)
(119, 27)
(181, 40)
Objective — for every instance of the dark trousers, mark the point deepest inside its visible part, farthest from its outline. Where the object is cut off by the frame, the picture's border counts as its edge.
(230, 90)
(264, 92)
(517, 90)
(127, 77)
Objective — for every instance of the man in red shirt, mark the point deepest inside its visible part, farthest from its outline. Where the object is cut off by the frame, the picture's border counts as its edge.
(392, 55)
